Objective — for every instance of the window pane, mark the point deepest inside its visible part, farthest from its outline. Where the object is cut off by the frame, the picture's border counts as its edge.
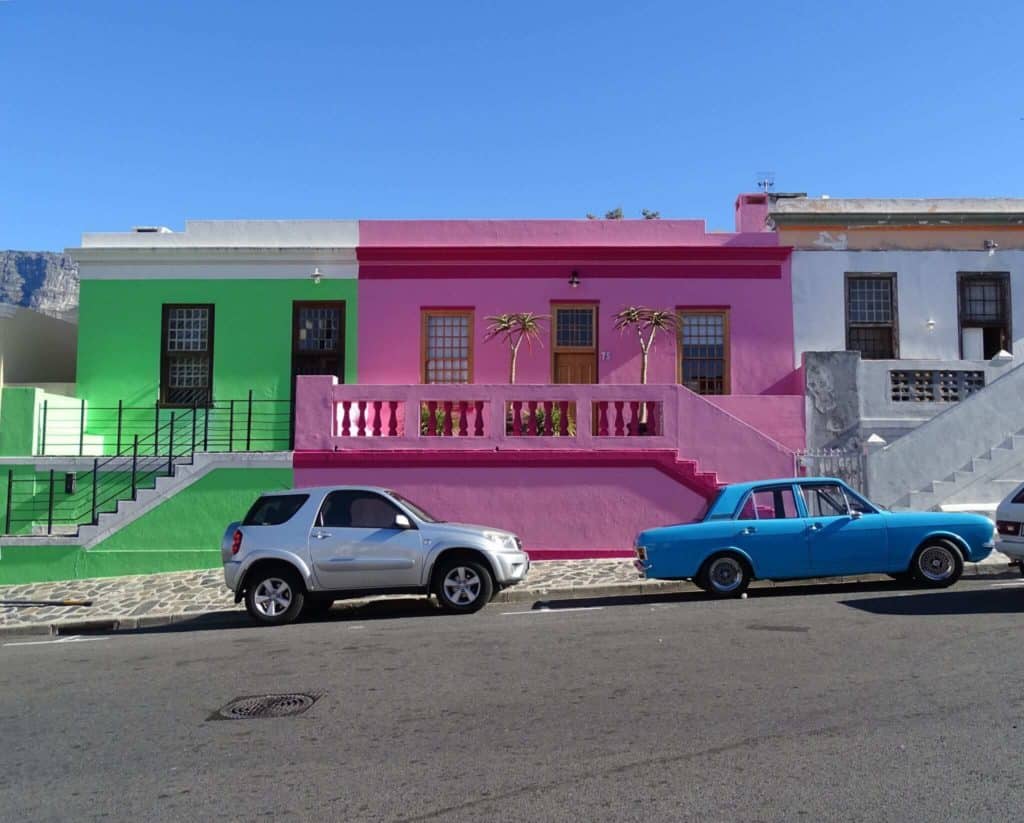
(447, 347)
(873, 342)
(318, 328)
(983, 300)
(357, 510)
(574, 327)
(188, 329)
(770, 504)
(274, 509)
(703, 349)
(869, 300)
(824, 501)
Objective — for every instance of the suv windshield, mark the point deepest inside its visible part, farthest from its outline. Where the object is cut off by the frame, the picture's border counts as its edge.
(416, 510)
(274, 509)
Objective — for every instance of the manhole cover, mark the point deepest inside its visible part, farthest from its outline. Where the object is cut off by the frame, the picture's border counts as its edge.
(266, 705)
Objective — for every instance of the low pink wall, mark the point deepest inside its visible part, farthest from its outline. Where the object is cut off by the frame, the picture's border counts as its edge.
(558, 511)
(780, 417)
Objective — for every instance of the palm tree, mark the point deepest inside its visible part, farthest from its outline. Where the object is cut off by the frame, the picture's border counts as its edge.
(515, 328)
(647, 322)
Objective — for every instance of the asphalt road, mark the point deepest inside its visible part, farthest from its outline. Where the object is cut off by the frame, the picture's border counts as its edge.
(869, 703)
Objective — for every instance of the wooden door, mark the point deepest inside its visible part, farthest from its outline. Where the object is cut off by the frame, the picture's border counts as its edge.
(574, 343)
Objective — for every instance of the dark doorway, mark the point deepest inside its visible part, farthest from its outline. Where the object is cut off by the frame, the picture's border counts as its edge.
(318, 344)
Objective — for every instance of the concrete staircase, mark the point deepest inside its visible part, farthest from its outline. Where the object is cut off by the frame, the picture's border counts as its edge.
(970, 454)
(187, 470)
(983, 481)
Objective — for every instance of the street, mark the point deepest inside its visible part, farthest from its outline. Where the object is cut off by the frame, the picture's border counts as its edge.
(828, 702)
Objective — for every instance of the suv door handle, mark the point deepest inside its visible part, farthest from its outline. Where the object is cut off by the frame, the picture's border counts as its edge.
(321, 535)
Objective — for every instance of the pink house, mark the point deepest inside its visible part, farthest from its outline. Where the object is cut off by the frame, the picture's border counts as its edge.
(577, 456)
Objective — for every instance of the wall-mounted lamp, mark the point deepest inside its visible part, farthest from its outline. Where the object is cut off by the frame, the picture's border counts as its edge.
(574, 279)
(316, 276)
(930, 323)
(991, 246)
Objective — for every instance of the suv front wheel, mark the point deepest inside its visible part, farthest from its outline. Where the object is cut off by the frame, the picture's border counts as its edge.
(274, 596)
(463, 585)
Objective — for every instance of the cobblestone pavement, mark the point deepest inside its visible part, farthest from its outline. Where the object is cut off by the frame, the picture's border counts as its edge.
(198, 592)
(204, 591)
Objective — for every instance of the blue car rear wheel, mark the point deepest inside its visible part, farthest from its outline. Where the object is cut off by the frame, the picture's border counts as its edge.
(724, 575)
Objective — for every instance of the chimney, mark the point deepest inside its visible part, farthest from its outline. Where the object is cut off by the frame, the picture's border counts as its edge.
(752, 212)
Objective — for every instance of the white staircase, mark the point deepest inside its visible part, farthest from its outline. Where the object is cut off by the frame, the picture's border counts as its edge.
(985, 480)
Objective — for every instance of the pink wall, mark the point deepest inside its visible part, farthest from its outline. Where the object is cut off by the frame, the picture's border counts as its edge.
(760, 320)
(494, 267)
(584, 508)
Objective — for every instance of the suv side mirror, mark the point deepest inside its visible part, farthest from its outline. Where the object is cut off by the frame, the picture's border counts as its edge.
(402, 522)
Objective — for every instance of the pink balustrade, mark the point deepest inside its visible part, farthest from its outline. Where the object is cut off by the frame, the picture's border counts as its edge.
(332, 417)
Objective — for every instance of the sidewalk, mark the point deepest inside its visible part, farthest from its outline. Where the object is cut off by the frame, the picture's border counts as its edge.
(148, 600)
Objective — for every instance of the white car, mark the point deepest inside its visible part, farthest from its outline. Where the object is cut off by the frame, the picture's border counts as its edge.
(1010, 525)
(303, 549)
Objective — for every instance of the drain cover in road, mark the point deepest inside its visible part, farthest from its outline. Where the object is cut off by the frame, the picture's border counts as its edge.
(256, 706)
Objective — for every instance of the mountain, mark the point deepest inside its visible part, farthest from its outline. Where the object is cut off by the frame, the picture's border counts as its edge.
(41, 280)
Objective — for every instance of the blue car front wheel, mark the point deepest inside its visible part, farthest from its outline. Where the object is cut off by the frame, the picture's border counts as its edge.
(937, 565)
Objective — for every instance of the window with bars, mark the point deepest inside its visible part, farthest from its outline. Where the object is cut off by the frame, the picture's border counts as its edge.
(871, 315)
(985, 306)
(186, 355)
(704, 351)
(574, 328)
(447, 347)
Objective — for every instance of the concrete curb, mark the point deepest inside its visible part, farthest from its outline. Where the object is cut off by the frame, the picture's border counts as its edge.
(509, 596)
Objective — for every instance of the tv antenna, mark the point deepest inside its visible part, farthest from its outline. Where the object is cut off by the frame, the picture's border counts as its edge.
(766, 181)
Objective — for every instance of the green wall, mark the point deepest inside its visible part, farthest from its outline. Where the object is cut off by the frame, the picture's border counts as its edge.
(182, 533)
(17, 420)
(119, 335)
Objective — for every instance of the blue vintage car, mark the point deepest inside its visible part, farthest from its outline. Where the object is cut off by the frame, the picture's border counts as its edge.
(809, 527)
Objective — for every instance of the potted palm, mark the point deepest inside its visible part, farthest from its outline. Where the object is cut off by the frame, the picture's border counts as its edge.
(647, 323)
(514, 329)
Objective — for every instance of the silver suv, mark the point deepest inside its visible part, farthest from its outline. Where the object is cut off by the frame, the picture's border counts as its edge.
(300, 550)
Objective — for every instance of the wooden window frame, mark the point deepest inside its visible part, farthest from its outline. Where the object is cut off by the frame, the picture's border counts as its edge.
(725, 312)
(425, 314)
(1003, 278)
(165, 358)
(893, 279)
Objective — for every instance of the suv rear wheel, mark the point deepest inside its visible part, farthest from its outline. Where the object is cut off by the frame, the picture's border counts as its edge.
(463, 585)
(274, 595)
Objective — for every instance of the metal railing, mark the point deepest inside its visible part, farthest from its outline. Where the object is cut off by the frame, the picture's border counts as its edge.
(150, 443)
(247, 424)
(849, 465)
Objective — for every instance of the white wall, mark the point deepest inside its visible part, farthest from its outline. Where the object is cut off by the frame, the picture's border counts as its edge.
(926, 285)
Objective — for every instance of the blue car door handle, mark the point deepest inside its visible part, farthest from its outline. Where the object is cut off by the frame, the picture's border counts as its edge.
(814, 527)
(748, 530)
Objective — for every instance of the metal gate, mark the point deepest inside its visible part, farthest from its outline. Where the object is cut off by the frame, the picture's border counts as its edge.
(847, 465)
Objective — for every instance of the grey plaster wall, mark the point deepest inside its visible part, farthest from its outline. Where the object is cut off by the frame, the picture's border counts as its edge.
(832, 401)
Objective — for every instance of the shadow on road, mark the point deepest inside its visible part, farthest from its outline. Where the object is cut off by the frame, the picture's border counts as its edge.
(756, 592)
(972, 601)
(383, 609)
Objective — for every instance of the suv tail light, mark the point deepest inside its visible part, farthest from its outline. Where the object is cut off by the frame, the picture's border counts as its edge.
(1011, 528)
(236, 542)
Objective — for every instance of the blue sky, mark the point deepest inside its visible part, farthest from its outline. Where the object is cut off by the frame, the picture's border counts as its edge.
(116, 114)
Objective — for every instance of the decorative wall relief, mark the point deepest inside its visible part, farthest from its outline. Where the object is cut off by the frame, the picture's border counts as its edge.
(832, 402)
